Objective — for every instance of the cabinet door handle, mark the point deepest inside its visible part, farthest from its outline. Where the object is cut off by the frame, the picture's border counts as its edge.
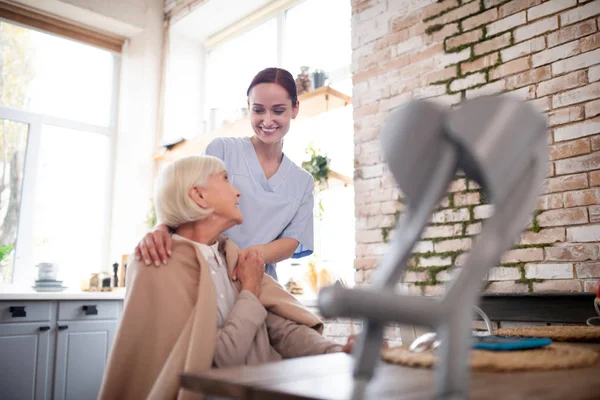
(44, 328)
(63, 327)
(90, 310)
(18, 311)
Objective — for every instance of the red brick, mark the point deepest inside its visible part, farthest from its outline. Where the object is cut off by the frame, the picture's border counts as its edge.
(452, 245)
(492, 44)
(550, 201)
(565, 115)
(582, 197)
(507, 23)
(492, 3)
(522, 49)
(389, 40)
(590, 285)
(549, 271)
(550, 235)
(562, 83)
(559, 285)
(510, 68)
(595, 178)
(436, 8)
(466, 199)
(523, 255)
(404, 22)
(535, 29)
(373, 59)
(594, 212)
(506, 287)
(458, 185)
(579, 13)
(584, 234)
(588, 270)
(442, 231)
(589, 43)
(570, 149)
(528, 77)
(480, 19)
(564, 183)
(445, 74)
(550, 170)
(365, 75)
(543, 104)
(464, 38)
(572, 252)
(562, 217)
(592, 109)
(577, 62)
(427, 52)
(504, 274)
(366, 263)
(366, 110)
(439, 36)
(468, 81)
(515, 6)
(456, 14)
(571, 33)
(556, 53)
(548, 8)
(577, 130)
(595, 142)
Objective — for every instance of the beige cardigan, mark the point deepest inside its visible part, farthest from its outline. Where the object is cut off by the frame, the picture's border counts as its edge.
(169, 326)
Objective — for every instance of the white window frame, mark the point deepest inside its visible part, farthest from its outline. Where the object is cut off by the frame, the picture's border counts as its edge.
(218, 39)
(23, 272)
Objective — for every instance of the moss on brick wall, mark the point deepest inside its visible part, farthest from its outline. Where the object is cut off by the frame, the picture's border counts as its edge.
(474, 42)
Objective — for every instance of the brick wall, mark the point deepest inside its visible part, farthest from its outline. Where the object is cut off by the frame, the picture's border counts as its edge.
(547, 52)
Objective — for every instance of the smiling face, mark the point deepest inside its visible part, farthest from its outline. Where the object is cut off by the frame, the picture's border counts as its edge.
(271, 111)
(219, 194)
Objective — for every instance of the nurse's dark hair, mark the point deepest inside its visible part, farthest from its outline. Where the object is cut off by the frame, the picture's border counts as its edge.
(279, 76)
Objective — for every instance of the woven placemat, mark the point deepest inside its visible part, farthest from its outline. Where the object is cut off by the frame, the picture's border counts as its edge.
(552, 357)
(575, 333)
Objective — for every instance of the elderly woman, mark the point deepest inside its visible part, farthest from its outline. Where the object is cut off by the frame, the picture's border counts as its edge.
(208, 307)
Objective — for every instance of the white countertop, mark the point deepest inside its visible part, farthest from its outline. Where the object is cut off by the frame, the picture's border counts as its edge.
(13, 292)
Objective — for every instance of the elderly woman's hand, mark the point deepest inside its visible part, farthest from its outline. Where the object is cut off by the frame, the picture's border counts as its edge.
(155, 247)
(351, 344)
(249, 270)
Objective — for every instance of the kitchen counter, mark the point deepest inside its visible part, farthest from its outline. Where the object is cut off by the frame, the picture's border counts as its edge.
(13, 292)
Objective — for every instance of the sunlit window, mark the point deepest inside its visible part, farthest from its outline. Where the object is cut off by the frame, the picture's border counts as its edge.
(56, 136)
(230, 68)
(317, 35)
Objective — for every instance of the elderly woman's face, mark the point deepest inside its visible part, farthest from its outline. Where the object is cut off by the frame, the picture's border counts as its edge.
(220, 195)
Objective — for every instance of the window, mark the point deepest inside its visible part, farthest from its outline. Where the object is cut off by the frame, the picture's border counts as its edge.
(57, 125)
(317, 35)
(314, 33)
(231, 67)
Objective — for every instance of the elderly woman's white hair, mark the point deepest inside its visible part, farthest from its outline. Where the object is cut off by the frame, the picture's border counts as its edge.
(172, 201)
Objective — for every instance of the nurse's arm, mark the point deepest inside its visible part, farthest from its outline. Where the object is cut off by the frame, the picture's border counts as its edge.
(276, 251)
(155, 247)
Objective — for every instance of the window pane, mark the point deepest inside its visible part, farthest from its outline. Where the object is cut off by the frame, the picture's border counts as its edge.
(13, 144)
(317, 35)
(230, 68)
(71, 200)
(51, 75)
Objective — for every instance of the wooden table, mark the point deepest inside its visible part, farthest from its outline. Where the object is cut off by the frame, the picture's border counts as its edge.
(330, 377)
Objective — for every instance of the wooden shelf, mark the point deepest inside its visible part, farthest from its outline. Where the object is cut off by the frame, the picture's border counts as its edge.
(312, 103)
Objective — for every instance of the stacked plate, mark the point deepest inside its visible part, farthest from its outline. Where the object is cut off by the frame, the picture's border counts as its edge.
(49, 285)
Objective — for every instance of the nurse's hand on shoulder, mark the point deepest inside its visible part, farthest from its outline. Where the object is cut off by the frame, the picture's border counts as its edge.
(249, 271)
(155, 247)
